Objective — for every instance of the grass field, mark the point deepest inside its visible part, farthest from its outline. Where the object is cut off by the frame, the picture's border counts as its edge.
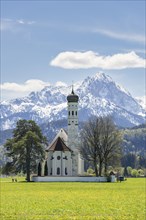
(51, 201)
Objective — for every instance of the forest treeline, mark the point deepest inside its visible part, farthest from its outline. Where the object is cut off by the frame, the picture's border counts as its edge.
(133, 145)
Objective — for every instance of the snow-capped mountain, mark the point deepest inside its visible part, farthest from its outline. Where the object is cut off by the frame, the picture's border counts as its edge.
(98, 95)
(142, 101)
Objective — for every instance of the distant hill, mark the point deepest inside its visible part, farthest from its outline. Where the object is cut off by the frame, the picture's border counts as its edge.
(134, 138)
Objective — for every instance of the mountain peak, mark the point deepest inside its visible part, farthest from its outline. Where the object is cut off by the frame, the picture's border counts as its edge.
(102, 76)
(99, 95)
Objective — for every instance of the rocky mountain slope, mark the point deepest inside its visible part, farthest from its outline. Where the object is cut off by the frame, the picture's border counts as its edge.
(142, 101)
(98, 95)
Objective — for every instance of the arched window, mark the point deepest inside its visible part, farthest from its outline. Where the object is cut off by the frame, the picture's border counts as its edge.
(76, 112)
(72, 112)
(65, 170)
(58, 157)
(58, 170)
(69, 113)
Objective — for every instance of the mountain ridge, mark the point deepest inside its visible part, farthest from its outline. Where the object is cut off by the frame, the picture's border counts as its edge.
(98, 95)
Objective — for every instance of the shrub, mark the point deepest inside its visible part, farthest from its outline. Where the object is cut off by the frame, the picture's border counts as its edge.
(134, 173)
(90, 171)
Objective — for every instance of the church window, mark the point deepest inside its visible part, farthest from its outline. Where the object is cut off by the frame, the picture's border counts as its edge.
(65, 158)
(76, 112)
(65, 170)
(58, 170)
(69, 113)
(58, 157)
(72, 112)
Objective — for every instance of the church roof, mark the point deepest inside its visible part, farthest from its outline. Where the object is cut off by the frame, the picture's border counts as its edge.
(62, 134)
(58, 145)
(72, 97)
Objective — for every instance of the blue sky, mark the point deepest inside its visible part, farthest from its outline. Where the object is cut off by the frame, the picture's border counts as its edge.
(44, 42)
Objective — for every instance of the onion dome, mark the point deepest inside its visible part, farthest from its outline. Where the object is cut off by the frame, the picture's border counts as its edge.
(72, 97)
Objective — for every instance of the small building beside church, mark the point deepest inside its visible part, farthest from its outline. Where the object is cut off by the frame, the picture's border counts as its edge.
(62, 155)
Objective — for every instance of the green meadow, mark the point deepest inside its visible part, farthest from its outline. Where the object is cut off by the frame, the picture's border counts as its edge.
(50, 201)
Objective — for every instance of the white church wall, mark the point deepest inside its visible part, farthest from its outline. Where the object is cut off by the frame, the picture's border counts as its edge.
(56, 160)
(80, 165)
(49, 162)
(68, 163)
(42, 168)
(54, 165)
(59, 163)
(68, 179)
(75, 163)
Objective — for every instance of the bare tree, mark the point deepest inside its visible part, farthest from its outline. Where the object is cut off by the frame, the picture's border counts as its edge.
(100, 142)
(90, 147)
(111, 139)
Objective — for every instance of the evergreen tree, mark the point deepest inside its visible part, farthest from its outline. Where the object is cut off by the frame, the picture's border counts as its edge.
(26, 147)
(129, 160)
(142, 161)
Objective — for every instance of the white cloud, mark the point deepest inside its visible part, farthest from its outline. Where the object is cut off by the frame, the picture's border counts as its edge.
(15, 90)
(136, 50)
(20, 21)
(29, 85)
(59, 83)
(126, 36)
(90, 59)
(12, 25)
(121, 36)
(6, 24)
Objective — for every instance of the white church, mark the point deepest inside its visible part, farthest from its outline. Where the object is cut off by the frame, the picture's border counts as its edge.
(62, 155)
(63, 158)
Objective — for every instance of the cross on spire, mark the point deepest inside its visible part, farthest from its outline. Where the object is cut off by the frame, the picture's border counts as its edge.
(72, 88)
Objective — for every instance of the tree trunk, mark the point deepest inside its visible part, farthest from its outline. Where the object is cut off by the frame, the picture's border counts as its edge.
(96, 170)
(105, 167)
(28, 165)
(28, 172)
(95, 167)
(100, 168)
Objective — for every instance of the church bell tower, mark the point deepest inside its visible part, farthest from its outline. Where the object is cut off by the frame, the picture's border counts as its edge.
(72, 119)
(72, 101)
